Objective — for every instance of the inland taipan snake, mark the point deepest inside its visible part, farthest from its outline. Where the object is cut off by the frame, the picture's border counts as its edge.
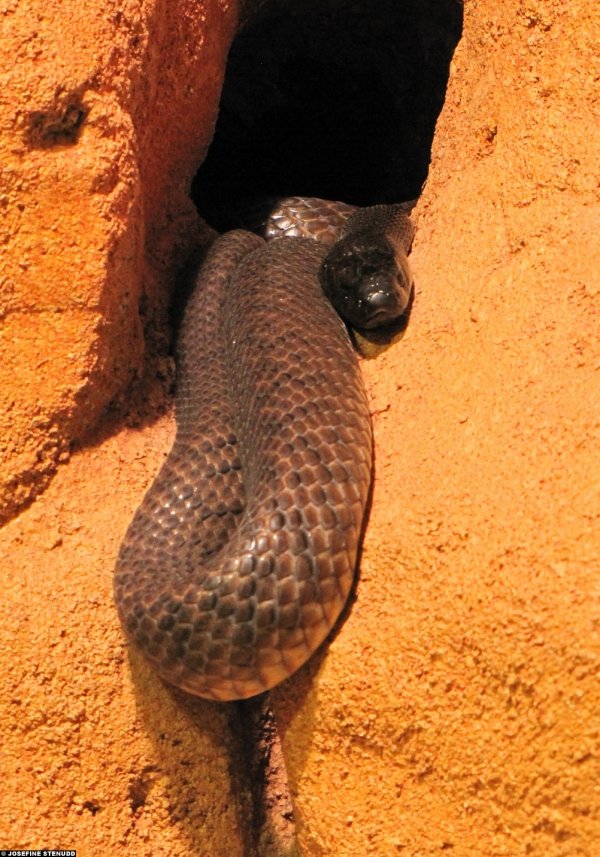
(241, 555)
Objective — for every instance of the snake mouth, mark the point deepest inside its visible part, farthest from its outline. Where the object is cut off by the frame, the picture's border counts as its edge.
(384, 306)
(380, 318)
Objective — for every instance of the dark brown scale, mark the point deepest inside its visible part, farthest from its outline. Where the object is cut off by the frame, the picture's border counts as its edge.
(307, 217)
(230, 577)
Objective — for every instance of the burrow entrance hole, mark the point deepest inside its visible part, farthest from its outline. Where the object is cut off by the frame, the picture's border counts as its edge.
(330, 98)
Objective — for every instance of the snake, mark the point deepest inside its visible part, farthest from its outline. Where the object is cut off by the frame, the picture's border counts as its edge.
(241, 556)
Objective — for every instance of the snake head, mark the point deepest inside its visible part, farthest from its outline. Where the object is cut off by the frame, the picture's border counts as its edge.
(367, 280)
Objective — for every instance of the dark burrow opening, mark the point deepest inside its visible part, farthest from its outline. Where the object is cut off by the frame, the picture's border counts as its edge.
(330, 98)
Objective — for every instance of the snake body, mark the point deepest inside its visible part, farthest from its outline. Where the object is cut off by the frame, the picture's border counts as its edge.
(241, 556)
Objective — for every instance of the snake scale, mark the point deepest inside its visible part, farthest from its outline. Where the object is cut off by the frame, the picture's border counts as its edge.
(241, 555)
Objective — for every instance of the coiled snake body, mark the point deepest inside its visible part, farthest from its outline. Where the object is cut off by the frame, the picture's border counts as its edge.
(240, 558)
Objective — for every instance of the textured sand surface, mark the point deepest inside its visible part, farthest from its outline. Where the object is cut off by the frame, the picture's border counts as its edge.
(457, 709)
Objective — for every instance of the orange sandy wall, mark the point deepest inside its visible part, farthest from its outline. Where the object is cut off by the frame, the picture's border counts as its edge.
(107, 110)
(457, 709)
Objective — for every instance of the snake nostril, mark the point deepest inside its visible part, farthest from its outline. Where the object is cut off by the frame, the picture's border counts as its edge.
(383, 306)
(382, 300)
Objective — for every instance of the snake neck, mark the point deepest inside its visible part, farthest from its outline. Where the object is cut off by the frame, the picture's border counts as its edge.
(391, 221)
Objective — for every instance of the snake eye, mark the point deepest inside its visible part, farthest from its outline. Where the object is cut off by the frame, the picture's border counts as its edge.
(400, 281)
(345, 285)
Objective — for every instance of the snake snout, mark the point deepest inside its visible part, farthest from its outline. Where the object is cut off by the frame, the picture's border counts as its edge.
(381, 306)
